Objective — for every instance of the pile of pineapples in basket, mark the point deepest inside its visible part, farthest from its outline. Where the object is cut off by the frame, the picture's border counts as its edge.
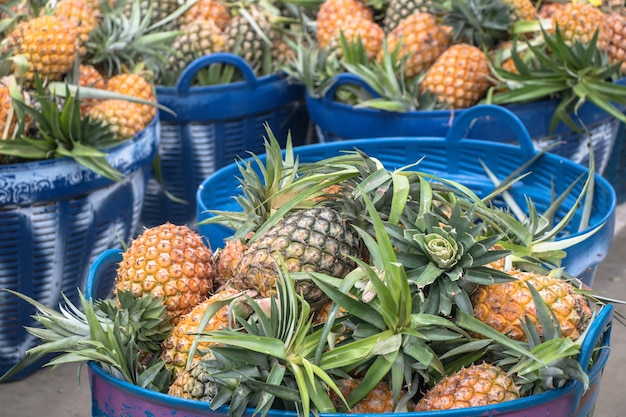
(346, 287)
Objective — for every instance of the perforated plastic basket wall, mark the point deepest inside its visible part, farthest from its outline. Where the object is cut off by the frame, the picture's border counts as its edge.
(212, 126)
(112, 397)
(616, 170)
(457, 158)
(338, 121)
(56, 217)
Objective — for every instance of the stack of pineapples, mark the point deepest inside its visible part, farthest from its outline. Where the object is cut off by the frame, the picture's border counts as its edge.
(439, 54)
(91, 66)
(345, 287)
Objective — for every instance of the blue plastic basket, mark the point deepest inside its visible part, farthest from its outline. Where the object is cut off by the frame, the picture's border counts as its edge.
(457, 158)
(334, 121)
(112, 397)
(56, 217)
(212, 126)
(616, 170)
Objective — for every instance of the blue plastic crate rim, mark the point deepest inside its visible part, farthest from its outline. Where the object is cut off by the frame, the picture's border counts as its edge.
(56, 217)
(141, 401)
(338, 121)
(456, 158)
(226, 101)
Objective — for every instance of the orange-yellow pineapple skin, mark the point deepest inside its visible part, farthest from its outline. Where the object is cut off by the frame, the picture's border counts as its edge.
(355, 28)
(421, 38)
(332, 14)
(474, 386)
(214, 10)
(616, 49)
(49, 44)
(522, 9)
(124, 118)
(177, 346)
(579, 21)
(503, 305)
(171, 262)
(8, 118)
(89, 76)
(378, 400)
(80, 13)
(137, 86)
(459, 76)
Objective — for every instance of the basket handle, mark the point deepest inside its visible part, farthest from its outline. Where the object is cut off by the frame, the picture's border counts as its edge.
(462, 123)
(348, 78)
(599, 329)
(109, 256)
(186, 77)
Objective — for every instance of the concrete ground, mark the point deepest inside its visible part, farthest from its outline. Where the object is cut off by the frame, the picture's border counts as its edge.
(61, 394)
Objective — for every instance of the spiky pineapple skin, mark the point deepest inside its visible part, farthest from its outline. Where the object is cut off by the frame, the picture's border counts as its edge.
(378, 400)
(421, 38)
(170, 262)
(355, 28)
(616, 49)
(135, 85)
(244, 40)
(89, 76)
(214, 10)
(578, 22)
(459, 76)
(503, 305)
(474, 386)
(176, 347)
(193, 384)
(49, 44)
(82, 15)
(316, 239)
(332, 14)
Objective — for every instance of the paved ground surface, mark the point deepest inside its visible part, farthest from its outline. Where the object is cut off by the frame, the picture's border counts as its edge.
(61, 394)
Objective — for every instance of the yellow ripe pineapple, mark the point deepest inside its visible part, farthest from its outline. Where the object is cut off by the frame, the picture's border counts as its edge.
(379, 400)
(80, 13)
(422, 39)
(459, 77)
(8, 117)
(214, 10)
(137, 86)
(333, 13)
(177, 346)
(616, 49)
(89, 76)
(474, 386)
(579, 21)
(357, 28)
(522, 9)
(124, 117)
(170, 262)
(503, 305)
(227, 259)
(49, 44)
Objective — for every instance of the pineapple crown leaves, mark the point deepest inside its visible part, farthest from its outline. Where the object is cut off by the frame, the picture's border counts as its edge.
(393, 336)
(480, 23)
(280, 345)
(573, 74)
(113, 337)
(448, 256)
(62, 132)
(127, 40)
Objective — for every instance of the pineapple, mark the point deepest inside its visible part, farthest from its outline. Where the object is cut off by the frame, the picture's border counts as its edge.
(522, 9)
(312, 240)
(8, 116)
(214, 10)
(198, 38)
(49, 44)
(379, 400)
(170, 262)
(227, 259)
(474, 386)
(579, 21)
(333, 13)
(504, 306)
(177, 346)
(358, 29)
(126, 118)
(459, 77)
(82, 15)
(422, 39)
(398, 10)
(248, 35)
(616, 49)
(89, 76)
